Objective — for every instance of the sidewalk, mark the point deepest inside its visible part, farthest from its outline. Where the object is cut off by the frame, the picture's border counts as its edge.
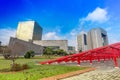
(104, 71)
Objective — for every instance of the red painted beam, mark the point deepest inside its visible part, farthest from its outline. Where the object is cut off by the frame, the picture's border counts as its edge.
(105, 52)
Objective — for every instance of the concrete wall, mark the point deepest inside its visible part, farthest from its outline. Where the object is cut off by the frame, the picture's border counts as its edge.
(63, 44)
(29, 30)
(20, 47)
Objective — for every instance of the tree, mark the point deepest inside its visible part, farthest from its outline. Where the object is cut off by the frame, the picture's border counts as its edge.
(48, 51)
(29, 54)
(80, 51)
(61, 52)
(5, 51)
(1, 51)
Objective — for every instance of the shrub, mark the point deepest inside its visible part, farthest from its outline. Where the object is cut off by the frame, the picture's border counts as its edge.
(61, 52)
(25, 66)
(16, 67)
(29, 54)
(6, 56)
(4, 70)
(48, 51)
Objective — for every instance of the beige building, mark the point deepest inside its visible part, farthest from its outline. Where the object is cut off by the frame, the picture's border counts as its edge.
(97, 37)
(29, 30)
(82, 41)
(60, 44)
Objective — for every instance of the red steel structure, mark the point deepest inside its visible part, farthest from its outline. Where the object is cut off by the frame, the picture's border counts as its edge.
(102, 53)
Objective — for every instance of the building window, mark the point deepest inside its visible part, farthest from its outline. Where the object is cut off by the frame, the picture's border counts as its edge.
(70, 48)
(103, 38)
(85, 39)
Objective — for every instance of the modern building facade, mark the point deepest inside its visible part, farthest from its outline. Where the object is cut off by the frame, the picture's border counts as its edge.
(82, 41)
(60, 44)
(28, 31)
(71, 50)
(96, 37)
(20, 47)
(29, 37)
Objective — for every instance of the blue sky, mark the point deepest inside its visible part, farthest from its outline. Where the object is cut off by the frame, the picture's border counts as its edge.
(61, 19)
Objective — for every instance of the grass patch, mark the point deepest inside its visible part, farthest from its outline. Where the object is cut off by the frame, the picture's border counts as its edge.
(36, 71)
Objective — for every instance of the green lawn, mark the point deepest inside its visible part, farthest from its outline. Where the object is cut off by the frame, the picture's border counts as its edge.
(36, 71)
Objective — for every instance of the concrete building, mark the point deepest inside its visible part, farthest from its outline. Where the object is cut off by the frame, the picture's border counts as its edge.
(60, 44)
(96, 37)
(28, 31)
(71, 49)
(29, 37)
(20, 47)
(82, 41)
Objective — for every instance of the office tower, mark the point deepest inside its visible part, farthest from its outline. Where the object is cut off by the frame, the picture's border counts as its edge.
(96, 37)
(29, 31)
(82, 41)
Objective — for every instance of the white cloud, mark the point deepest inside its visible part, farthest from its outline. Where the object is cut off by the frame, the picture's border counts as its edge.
(113, 34)
(108, 29)
(5, 35)
(98, 15)
(51, 36)
(73, 32)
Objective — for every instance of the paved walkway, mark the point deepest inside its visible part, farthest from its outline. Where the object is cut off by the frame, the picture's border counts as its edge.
(113, 74)
(104, 71)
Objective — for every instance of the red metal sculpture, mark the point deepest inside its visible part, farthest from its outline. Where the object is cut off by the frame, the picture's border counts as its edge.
(106, 52)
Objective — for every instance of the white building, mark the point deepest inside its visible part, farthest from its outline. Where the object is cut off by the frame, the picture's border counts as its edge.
(97, 37)
(82, 41)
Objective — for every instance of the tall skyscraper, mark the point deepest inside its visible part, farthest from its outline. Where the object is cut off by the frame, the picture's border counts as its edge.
(97, 37)
(29, 30)
(82, 41)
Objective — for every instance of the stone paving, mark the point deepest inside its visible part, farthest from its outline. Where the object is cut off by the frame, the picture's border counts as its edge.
(113, 74)
(104, 71)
